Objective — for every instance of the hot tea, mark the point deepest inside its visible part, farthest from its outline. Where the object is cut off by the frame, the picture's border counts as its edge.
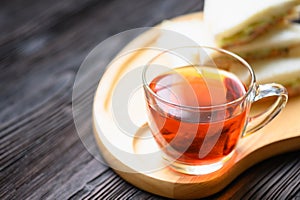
(188, 118)
(198, 104)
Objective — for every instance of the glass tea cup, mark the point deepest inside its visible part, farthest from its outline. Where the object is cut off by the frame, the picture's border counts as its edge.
(198, 103)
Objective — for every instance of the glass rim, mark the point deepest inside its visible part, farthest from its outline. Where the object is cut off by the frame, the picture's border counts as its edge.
(228, 53)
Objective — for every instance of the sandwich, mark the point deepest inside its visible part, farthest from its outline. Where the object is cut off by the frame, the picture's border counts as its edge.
(285, 71)
(236, 22)
(278, 42)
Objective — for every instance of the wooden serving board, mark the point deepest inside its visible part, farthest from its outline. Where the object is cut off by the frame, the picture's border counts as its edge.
(280, 136)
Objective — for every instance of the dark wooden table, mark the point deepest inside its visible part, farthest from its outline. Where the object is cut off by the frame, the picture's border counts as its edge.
(42, 44)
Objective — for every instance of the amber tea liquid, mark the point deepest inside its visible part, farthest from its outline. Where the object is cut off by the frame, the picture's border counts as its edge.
(186, 133)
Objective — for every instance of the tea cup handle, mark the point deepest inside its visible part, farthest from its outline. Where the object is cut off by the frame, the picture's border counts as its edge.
(260, 120)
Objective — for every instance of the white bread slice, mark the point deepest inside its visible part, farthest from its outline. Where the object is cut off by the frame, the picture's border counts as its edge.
(230, 17)
(194, 30)
(174, 34)
(285, 71)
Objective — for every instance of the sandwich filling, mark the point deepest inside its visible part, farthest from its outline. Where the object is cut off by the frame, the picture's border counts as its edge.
(293, 87)
(264, 53)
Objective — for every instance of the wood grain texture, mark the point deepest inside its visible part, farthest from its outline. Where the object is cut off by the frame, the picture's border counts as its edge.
(42, 44)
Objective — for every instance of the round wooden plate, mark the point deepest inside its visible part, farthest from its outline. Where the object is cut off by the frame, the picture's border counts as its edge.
(134, 156)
